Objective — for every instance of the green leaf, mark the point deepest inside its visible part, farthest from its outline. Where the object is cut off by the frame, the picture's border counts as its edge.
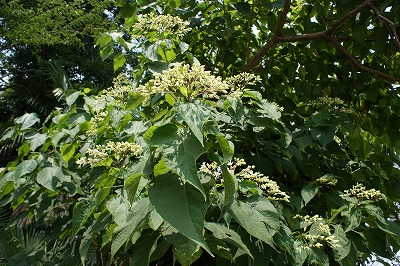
(195, 115)
(164, 135)
(144, 247)
(187, 253)
(181, 158)
(252, 221)
(131, 185)
(150, 52)
(67, 151)
(317, 257)
(72, 96)
(119, 61)
(227, 235)
(308, 192)
(137, 214)
(342, 249)
(354, 219)
(181, 205)
(35, 140)
(376, 241)
(27, 120)
(323, 134)
(25, 167)
(265, 207)
(230, 187)
(226, 147)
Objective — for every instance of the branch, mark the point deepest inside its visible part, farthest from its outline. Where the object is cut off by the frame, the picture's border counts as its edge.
(327, 34)
(360, 66)
(283, 18)
(346, 17)
(392, 25)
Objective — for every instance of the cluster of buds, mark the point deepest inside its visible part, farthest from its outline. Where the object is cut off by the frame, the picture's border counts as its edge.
(315, 233)
(115, 150)
(267, 185)
(330, 104)
(360, 192)
(194, 81)
(122, 86)
(238, 83)
(327, 181)
(190, 81)
(162, 25)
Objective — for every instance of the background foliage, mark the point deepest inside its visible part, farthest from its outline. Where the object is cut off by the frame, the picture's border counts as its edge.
(151, 169)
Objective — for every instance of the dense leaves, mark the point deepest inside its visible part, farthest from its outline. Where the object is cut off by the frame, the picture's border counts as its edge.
(293, 161)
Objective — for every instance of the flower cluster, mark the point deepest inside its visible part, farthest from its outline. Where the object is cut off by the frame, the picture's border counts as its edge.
(269, 186)
(330, 104)
(190, 81)
(360, 192)
(239, 82)
(115, 150)
(315, 232)
(163, 25)
(327, 180)
(122, 86)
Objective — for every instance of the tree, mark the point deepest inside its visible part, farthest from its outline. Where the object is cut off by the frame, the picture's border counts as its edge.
(249, 133)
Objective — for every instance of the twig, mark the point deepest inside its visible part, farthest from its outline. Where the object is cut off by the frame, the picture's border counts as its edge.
(357, 64)
(282, 19)
(346, 17)
(248, 30)
(393, 32)
(327, 34)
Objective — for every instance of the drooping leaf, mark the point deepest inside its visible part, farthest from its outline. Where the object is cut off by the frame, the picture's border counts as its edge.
(144, 247)
(181, 205)
(252, 221)
(27, 120)
(308, 193)
(138, 212)
(195, 115)
(227, 235)
(181, 158)
(187, 253)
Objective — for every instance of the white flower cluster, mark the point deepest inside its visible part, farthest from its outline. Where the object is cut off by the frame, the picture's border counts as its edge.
(95, 121)
(190, 81)
(269, 186)
(360, 192)
(315, 232)
(239, 82)
(328, 181)
(115, 150)
(193, 81)
(122, 86)
(331, 104)
(163, 25)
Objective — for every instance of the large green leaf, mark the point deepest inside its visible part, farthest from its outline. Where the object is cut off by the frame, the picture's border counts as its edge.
(123, 232)
(252, 221)
(227, 235)
(181, 205)
(181, 158)
(230, 187)
(187, 253)
(27, 120)
(308, 193)
(144, 247)
(195, 115)
(25, 167)
(47, 177)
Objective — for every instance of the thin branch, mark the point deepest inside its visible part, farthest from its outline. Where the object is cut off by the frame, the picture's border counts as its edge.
(346, 17)
(248, 30)
(328, 34)
(357, 64)
(282, 19)
(392, 25)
